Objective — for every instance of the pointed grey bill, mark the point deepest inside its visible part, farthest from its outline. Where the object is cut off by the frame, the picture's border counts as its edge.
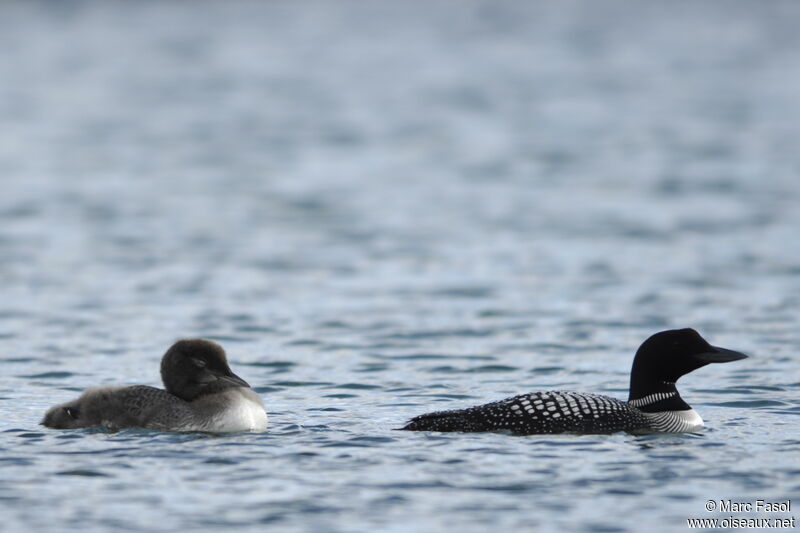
(234, 379)
(720, 355)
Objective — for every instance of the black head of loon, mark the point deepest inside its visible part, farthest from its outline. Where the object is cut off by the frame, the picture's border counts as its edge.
(195, 367)
(662, 359)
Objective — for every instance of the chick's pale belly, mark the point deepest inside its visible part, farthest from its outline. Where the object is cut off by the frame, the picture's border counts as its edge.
(243, 411)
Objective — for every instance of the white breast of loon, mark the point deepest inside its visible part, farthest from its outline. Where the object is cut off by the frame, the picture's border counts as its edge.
(668, 421)
(234, 410)
(675, 421)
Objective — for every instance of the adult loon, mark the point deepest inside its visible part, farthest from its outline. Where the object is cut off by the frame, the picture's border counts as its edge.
(654, 404)
(202, 394)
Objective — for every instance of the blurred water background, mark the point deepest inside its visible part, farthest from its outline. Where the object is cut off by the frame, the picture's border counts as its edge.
(386, 208)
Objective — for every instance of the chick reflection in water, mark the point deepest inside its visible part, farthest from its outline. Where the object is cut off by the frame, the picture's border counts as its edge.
(202, 394)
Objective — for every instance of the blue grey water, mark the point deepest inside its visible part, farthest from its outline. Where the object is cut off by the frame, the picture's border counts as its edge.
(386, 208)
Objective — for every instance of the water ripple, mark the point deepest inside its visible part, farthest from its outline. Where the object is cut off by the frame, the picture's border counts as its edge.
(381, 210)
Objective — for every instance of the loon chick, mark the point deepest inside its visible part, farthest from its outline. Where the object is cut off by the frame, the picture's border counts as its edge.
(653, 405)
(202, 394)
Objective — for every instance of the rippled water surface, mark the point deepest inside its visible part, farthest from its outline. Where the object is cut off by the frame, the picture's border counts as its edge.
(382, 209)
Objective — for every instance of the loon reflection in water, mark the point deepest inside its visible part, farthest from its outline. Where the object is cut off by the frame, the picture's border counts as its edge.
(654, 404)
(202, 394)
